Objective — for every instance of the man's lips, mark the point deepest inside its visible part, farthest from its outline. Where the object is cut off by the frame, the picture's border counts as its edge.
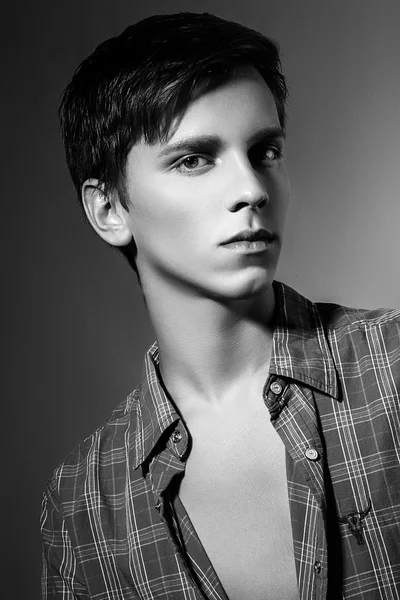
(250, 235)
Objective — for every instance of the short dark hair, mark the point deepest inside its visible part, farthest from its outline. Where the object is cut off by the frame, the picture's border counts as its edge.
(135, 85)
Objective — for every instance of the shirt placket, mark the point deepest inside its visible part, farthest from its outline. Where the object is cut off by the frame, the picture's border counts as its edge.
(192, 557)
(293, 415)
(165, 466)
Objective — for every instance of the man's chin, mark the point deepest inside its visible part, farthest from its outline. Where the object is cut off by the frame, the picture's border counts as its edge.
(244, 288)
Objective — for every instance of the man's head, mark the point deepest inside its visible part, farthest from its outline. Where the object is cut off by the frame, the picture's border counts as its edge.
(133, 93)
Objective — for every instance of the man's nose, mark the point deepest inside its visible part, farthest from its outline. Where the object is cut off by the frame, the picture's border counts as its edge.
(248, 188)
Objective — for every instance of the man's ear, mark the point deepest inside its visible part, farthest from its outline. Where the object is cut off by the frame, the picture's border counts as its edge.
(107, 217)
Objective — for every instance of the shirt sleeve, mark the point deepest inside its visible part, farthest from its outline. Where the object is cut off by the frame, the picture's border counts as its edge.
(60, 575)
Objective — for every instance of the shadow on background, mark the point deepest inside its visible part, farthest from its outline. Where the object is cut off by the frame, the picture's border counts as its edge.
(75, 325)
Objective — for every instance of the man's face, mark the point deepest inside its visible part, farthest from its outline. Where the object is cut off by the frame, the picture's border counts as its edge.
(220, 173)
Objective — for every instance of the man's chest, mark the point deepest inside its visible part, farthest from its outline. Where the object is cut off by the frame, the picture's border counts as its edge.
(235, 493)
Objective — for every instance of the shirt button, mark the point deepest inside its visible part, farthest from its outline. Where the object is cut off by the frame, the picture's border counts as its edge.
(317, 567)
(276, 387)
(312, 454)
(176, 436)
(158, 505)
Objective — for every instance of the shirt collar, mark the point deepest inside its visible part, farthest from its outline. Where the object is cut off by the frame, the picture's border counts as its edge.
(300, 351)
(300, 346)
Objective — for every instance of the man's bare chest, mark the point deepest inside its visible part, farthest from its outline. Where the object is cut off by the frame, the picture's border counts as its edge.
(235, 493)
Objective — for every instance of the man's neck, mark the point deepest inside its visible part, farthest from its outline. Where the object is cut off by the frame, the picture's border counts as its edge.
(210, 350)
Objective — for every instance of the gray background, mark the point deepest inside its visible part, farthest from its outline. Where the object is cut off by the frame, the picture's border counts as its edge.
(75, 327)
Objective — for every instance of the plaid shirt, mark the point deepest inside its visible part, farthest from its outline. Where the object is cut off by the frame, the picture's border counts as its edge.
(110, 531)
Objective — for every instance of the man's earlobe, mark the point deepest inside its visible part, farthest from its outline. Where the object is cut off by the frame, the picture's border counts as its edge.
(106, 215)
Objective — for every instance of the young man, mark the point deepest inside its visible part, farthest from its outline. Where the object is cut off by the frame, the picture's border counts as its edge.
(259, 458)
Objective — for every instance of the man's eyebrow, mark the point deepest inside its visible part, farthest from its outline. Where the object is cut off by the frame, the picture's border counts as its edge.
(206, 142)
(189, 144)
(268, 133)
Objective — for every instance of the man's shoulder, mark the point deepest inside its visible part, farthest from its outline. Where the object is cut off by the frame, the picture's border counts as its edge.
(366, 337)
(336, 317)
(358, 345)
(106, 449)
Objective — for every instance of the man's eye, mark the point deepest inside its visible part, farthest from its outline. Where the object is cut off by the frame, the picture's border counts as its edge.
(272, 153)
(267, 154)
(191, 163)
